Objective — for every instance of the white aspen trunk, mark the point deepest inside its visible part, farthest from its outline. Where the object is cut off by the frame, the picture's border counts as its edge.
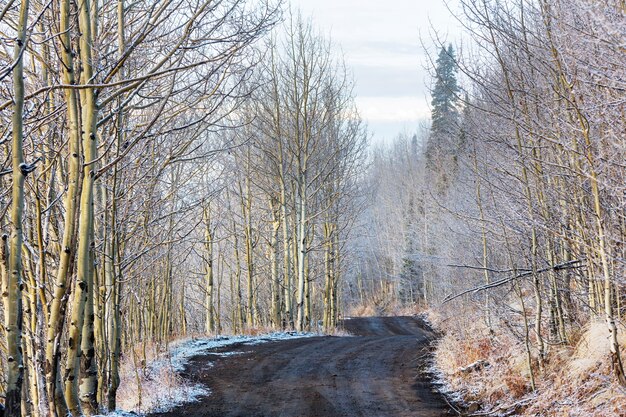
(302, 251)
(59, 301)
(88, 381)
(274, 264)
(288, 283)
(13, 295)
(328, 284)
(84, 279)
(208, 237)
(113, 324)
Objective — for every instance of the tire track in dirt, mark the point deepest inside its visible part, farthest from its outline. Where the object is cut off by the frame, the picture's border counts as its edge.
(379, 372)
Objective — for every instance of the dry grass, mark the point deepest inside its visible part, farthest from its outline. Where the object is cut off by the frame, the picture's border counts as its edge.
(365, 310)
(591, 350)
(576, 382)
(378, 308)
(584, 382)
(148, 381)
(500, 380)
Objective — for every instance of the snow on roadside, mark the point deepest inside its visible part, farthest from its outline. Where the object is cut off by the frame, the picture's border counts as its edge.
(162, 388)
(442, 385)
(186, 349)
(119, 413)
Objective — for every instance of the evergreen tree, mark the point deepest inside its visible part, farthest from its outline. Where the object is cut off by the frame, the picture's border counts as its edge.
(445, 112)
(444, 141)
(412, 285)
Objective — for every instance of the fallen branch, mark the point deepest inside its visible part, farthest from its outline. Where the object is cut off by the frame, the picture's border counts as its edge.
(476, 366)
(578, 263)
(506, 409)
(482, 268)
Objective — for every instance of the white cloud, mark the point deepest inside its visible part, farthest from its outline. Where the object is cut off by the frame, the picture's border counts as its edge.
(383, 58)
(393, 109)
(382, 46)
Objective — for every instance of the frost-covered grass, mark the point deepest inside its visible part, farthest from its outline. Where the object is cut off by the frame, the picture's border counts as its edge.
(150, 376)
(576, 380)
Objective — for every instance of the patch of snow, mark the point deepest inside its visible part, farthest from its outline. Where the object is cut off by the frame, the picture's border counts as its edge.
(119, 413)
(180, 354)
(226, 354)
(164, 389)
(443, 386)
(186, 393)
(166, 400)
(424, 317)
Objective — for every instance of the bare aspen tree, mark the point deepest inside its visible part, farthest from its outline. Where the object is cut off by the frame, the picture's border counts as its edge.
(59, 301)
(209, 297)
(13, 295)
(273, 248)
(83, 291)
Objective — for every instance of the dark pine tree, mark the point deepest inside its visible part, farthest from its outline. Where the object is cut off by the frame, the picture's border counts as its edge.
(444, 140)
(411, 276)
(445, 113)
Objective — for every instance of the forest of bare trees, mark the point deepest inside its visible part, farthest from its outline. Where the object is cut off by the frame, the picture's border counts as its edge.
(172, 168)
(510, 216)
(168, 168)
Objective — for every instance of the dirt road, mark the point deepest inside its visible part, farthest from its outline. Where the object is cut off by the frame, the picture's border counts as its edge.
(376, 373)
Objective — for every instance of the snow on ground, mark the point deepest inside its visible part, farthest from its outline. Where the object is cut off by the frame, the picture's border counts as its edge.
(119, 413)
(186, 349)
(163, 389)
(441, 384)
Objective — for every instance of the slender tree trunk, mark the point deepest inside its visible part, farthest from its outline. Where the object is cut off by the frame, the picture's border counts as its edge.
(30, 342)
(307, 295)
(84, 279)
(336, 271)
(101, 234)
(328, 284)
(274, 263)
(286, 261)
(302, 252)
(112, 285)
(239, 296)
(88, 382)
(218, 312)
(183, 311)
(208, 242)
(233, 310)
(246, 208)
(13, 295)
(59, 300)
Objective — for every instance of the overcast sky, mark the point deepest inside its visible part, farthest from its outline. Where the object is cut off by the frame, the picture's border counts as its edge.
(381, 44)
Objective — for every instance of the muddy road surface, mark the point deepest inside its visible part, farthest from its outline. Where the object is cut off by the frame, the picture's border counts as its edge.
(379, 372)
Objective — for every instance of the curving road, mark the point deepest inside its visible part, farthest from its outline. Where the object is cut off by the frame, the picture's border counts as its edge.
(376, 373)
